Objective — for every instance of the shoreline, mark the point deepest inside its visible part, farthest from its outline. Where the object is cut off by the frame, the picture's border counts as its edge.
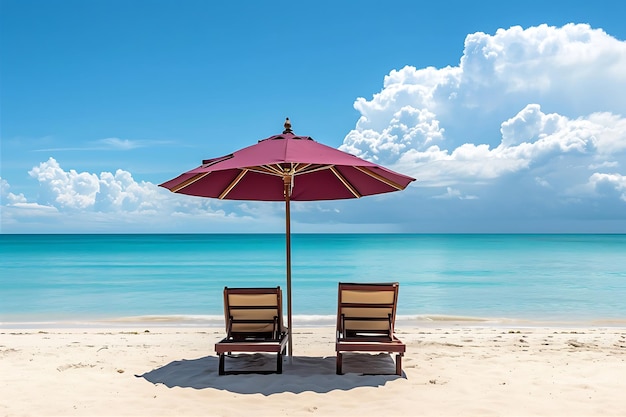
(307, 321)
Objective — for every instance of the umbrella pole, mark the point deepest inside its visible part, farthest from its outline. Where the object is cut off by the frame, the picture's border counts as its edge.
(288, 249)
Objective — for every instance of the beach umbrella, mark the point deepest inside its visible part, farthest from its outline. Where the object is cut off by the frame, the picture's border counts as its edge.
(287, 168)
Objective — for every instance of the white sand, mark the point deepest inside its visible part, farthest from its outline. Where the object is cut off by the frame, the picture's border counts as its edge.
(450, 370)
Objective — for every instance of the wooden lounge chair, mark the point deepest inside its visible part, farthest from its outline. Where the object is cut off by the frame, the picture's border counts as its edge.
(365, 321)
(254, 323)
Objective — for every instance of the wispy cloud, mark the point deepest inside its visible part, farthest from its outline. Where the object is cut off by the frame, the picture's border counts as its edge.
(111, 144)
(454, 193)
(123, 144)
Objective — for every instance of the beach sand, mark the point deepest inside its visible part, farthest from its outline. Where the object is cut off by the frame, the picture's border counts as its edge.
(449, 370)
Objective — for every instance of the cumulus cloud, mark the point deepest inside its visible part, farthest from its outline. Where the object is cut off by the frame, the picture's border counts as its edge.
(8, 197)
(609, 184)
(112, 201)
(62, 189)
(535, 106)
(106, 192)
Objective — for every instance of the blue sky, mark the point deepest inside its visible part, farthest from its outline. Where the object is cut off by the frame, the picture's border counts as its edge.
(511, 116)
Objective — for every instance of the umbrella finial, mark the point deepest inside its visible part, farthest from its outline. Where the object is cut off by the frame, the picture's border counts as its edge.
(287, 126)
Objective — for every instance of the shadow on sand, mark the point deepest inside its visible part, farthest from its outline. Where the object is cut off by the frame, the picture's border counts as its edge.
(300, 373)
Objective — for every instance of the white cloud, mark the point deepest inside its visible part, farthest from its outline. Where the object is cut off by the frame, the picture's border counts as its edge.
(542, 182)
(609, 184)
(107, 144)
(63, 189)
(441, 125)
(128, 144)
(121, 144)
(84, 201)
(7, 197)
(454, 193)
(120, 192)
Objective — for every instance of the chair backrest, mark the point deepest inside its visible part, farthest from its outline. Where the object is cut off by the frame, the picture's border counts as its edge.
(367, 309)
(253, 311)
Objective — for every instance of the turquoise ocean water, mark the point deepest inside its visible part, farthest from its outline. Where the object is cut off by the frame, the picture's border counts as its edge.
(85, 278)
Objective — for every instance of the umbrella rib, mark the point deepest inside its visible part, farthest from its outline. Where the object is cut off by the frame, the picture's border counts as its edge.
(380, 178)
(272, 169)
(264, 169)
(345, 182)
(309, 168)
(188, 182)
(233, 184)
(298, 169)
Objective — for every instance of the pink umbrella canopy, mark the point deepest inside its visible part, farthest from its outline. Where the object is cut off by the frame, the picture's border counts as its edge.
(315, 172)
(287, 168)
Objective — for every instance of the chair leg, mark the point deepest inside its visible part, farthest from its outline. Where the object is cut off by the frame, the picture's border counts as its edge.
(339, 363)
(221, 365)
(399, 364)
(279, 363)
